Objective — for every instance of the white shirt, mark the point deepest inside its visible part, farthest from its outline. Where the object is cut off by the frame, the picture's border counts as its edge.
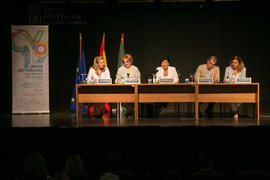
(103, 75)
(121, 72)
(234, 77)
(229, 73)
(172, 74)
(208, 72)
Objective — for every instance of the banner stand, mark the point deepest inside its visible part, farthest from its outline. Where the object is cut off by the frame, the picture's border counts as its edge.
(30, 69)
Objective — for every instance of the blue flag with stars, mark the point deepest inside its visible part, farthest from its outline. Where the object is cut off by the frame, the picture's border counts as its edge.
(80, 76)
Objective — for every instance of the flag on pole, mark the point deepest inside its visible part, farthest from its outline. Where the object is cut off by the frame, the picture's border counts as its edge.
(121, 52)
(119, 63)
(103, 54)
(102, 50)
(80, 76)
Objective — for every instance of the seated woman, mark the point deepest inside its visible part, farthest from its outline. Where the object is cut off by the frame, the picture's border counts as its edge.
(127, 70)
(165, 71)
(235, 70)
(98, 71)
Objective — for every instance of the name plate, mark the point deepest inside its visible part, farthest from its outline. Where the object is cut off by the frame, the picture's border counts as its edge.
(243, 80)
(132, 81)
(205, 80)
(104, 81)
(165, 80)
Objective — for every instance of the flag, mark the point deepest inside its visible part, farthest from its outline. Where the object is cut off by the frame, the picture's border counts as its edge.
(103, 54)
(102, 50)
(80, 75)
(119, 61)
(121, 52)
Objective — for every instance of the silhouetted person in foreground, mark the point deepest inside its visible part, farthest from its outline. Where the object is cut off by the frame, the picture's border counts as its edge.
(75, 167)
(35, 168)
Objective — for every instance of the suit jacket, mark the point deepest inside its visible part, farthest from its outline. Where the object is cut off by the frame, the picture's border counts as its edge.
(172, 74)
(201, 72)
(134, 73)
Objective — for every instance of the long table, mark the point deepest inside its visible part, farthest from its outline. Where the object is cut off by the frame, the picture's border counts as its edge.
(155, 93)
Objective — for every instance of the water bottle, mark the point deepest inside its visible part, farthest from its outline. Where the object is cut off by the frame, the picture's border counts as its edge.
(92, 81)
(122, 81)
(150, 80)
(227, 79)
(83, 76)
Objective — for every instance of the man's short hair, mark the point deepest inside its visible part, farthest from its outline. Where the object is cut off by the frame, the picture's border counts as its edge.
(212, 57)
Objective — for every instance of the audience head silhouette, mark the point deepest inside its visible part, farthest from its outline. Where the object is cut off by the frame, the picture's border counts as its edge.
(75, 167)
(34, 167)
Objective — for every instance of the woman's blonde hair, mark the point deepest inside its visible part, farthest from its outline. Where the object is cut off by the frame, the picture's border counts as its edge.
(97, 59)
(128, 57)
(240, 61)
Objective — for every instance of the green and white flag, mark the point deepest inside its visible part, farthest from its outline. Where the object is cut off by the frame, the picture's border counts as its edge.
(121, 52)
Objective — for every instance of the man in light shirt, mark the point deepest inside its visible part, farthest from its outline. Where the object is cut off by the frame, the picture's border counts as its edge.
(208, 70)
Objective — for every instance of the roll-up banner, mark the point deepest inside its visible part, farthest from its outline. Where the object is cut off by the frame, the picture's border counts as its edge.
(30, 69)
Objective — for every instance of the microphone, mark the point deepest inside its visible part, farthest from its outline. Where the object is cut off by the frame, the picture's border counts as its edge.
(179, 72)
(154, 76)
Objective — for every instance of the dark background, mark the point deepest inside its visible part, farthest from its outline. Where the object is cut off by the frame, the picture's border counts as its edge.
(186, 32)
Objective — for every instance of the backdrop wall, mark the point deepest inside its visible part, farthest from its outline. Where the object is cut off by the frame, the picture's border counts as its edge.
(187, 33)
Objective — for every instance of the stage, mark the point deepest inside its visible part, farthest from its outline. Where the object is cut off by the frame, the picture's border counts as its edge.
(68, 120)
(175, 115)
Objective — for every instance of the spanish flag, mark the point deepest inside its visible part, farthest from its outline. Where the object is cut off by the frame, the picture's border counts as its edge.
(103, 54)
(102, 50)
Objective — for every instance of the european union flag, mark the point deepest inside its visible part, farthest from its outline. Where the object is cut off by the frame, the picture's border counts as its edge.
(80, 76)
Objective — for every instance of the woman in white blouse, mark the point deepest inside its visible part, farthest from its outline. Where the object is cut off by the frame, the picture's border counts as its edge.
(235, 70)
(165, 71)
(127, 70)
(98, 71)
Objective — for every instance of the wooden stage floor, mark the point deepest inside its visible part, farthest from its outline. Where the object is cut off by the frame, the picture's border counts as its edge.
(67, 119)
(167, 118)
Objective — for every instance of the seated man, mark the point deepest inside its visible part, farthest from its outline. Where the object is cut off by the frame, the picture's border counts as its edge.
(208, 70)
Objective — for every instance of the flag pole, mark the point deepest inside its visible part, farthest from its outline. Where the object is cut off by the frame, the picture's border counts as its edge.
(119, 105)
(80, 35)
